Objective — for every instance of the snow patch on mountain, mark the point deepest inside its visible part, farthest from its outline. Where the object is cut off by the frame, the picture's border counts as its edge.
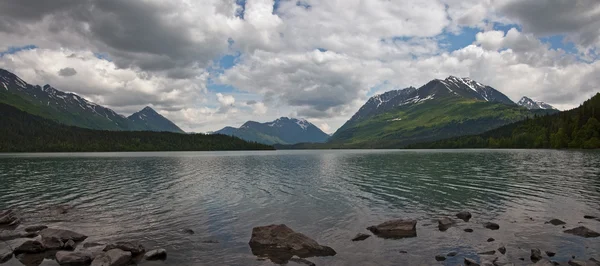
(534, 105)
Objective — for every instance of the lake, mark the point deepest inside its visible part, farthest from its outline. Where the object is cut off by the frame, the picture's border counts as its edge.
(328, 195)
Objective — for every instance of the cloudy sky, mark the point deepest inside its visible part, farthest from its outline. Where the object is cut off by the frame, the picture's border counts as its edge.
(206, 64)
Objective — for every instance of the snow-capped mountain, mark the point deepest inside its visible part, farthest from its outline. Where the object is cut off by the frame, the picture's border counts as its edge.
(63, 107)
(281, 131)
(153, 121)
(534, 105)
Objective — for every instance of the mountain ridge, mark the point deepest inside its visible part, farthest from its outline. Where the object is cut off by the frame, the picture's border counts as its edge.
(533, 104)
(283, 130)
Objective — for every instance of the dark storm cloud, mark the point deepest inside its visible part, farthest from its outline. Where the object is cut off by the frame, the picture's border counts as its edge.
(67, 72)
(579, 19)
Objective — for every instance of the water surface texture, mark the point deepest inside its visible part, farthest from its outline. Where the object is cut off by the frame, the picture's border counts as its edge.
(328, 195)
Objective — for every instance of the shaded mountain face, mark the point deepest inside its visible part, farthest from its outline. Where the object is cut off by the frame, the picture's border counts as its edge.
(534, 105)
(66, 108)
(439, 109)
(281, 131)
(153, 121)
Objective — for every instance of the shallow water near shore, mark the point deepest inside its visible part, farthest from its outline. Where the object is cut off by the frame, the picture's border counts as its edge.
(328, 195)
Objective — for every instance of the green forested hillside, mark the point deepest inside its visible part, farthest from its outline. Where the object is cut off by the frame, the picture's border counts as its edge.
(23, 132)
(577, 129)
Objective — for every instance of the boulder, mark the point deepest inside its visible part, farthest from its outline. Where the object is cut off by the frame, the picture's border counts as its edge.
(63, 235)
(8, 217)
(69, 245)
(73, 258)
(113, 257)
(469, 230)
(555, 222)
(536, 255)
(491, 239)
(280, 243)
(133, 247)
(491, 226)
(299, 260)
(5, 255)
(590, 217)
(445, 223)
(395, 229)
(543, 262)
(464, 215)
(550, 253)
(502, 250)
(360, 237)
(35, 228)
(582, 231)
(157, 254)
(470, 262)
(52, 243)
(30, 246)
(93, 244)
(440, 258)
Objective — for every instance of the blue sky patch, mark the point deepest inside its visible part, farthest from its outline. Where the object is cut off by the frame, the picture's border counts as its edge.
(16, 49)
(452, 42)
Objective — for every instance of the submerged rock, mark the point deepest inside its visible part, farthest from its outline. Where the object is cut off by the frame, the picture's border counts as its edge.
(73, 258)
(280, 243)
(395, 229)
(157, 254)
(360, 237)
(299, 260)
(35, 228)
(52, 243)
(452, 254)
(133, 247)
(5, 255)
(188, 231)
(491, 239)
(582, 231)
(491, 252)
(536, 255)
(491, 226)
(590, 262)
(470, 262)
(464, 215)
(469, 230)
(440, 258)
(445, 223)
(8, 217)
(63, 235)
(502, 250)
(113, 257)
(555, 222)
(30, 246)
(550, 253)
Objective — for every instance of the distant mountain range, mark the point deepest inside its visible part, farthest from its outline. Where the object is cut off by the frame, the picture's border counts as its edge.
(281, 131)
(437, 110)
(534, 105)
(71, 109)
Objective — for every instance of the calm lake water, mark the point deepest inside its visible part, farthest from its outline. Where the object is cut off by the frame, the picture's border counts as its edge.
(328, 195)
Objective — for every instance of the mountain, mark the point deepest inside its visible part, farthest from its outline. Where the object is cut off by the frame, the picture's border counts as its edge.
(437, 110)
(153, 121)
(534, 105)
(23, 132)
(67, 108)
(578, 128)
(281, 131)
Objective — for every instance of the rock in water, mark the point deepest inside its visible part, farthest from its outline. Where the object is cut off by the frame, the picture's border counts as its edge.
(395, 229)
(452, 254)
(470, 262)
(491, 226)
(550, 253)
(35, 228)
(280, 243)
(491, 239)
(302, 261)
(69, 245)
(502, 250)
(555, 222)
(113, 257)
(440, 258)
(491, 252)
(589, 217)
(445, 223)
(157, 254)
(469, 230)
(73, 258)
(134, 248)
(52, 243)
(536, 255)
(63, 235)
(30, 246)
(5, 255)
(590, 262)
(360, 237)
(188, 231)
(464, 215)
(582, 231)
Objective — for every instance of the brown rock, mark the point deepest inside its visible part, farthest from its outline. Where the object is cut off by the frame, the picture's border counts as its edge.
(445, 223)
(464, 215)
(113, 257)
(491, 226)
(30, 246)
(63, 235)
(360, 237)
(583, 232)
(133, 247)
(395, 229)
(555, 222)
(73, 258)
(536, 255)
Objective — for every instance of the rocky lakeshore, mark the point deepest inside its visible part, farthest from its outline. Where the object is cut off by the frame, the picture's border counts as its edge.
(31, 244)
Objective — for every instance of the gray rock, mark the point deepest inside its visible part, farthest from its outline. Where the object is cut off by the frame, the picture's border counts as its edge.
(35, 228)
(452, 254)
(395, 229)
(589, 217)
(52, 243)
(440, 258)
(583, 232)
(469, 230)
(73, 258)
(543, 262)
(550, 253)
(502, 250)
(360, 237)
(536, 255)
(157, 254)
(93, 244)
(445, 223)
(133, 247)
(10, 235)
(470, 262)
(63, 235)
(30, 246)
(8, 217)
(489, 253)
(69, 245)
(5, 255)
(113, 257)
(491, 226)
(464, 215)
(555, 222)
(280, 243)
(491, 239)
(299, 260)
